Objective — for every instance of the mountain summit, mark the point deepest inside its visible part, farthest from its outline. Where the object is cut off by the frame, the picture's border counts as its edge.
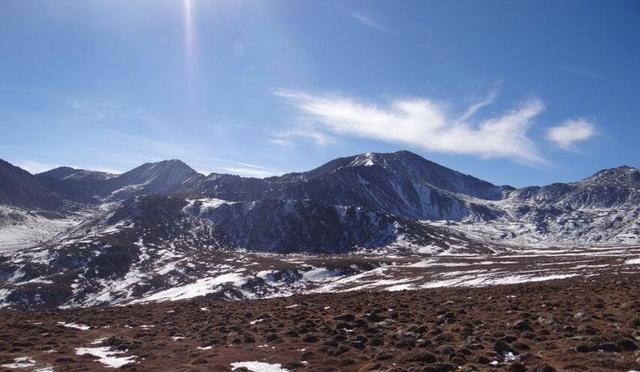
(164, 177)
(400, 183)
(623, 176)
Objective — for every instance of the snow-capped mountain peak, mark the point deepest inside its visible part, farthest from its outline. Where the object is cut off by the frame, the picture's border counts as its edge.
(366, 160)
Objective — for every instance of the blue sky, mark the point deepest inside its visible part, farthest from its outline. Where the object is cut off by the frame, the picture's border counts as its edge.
(512, 92)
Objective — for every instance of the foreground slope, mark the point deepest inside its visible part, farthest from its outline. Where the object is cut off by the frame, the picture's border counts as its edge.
(585, 324)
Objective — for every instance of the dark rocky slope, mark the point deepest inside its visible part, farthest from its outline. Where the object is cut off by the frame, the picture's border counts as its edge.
(21, 189)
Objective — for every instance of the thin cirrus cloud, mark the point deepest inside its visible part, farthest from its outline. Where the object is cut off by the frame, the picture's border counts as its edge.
(196, 154)
(425, 123)
(104, 111)
(365, 20)
(255, 172)
(305, 131)
(35, 167)
(567, 134)
(581, 71)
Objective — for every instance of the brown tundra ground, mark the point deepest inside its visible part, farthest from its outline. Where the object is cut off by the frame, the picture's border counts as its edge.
(578, 324)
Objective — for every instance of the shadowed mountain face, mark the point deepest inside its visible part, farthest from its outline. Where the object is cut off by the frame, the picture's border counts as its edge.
(296, 225)
(275, 226)
(20, 188)
(78, 185)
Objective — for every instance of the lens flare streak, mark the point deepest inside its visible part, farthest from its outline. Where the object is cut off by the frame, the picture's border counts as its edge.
(189, 39)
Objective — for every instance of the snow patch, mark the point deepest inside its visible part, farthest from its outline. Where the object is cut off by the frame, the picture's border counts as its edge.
(200, 287)
(486, 279)
(259, 366)
(21, 362)
(81, 327)
(108, 357)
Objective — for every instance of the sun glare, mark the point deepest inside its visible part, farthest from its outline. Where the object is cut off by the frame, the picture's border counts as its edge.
(189, 38)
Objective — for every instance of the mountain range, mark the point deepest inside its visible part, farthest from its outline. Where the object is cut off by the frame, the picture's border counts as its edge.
(89, 237)
(399, 185)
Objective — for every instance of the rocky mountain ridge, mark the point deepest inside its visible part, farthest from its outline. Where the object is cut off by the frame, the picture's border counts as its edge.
(603, 208)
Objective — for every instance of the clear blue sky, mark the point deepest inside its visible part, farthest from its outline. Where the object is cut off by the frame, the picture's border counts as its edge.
(513, 92)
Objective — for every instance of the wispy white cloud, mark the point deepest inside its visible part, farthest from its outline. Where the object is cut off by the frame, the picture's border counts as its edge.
(425, 123)
(33, 166)
(197, 156)
(584, 72)
(226, 166)
(280, 141)
(100, 168)
(476, 106)
(365, 19)
(101, 111)
(568, 133)
(97, 110)
(252, 172)
(304, 131)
